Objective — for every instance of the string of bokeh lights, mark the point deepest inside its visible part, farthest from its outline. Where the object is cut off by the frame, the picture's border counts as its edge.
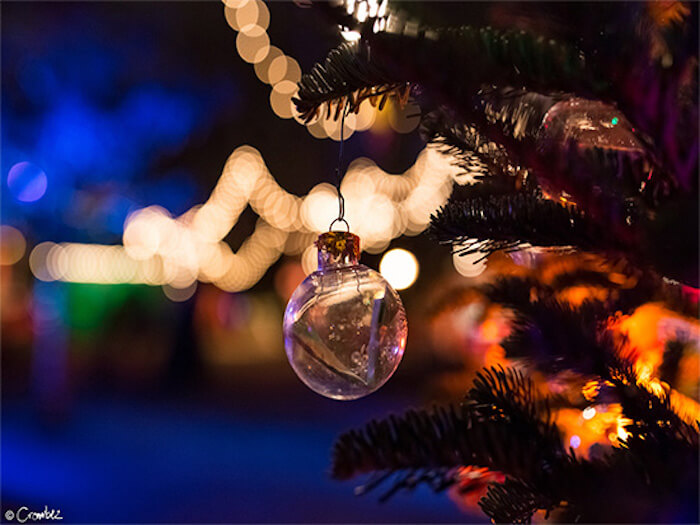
(251, 19)
(178, 252)
(159, 249)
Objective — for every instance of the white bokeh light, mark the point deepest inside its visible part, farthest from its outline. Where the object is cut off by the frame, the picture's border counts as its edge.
(467, 264)
(399, 267)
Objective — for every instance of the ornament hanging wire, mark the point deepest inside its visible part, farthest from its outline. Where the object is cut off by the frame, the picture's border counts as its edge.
(341, 199)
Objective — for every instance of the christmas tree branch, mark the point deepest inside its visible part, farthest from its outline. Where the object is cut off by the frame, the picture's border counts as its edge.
(513, 501)
(490, 221)
(556, 337)
(505, 426)
(502, 425)
(346, 78)
(518, 292)
(502, 57)
(474, 152)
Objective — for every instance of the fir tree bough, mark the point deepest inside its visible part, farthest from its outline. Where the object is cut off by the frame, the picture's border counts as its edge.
(510, 94)
(504, 426)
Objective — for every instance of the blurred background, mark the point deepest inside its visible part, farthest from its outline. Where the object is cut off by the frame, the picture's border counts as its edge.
(159, 202)
(160, 198)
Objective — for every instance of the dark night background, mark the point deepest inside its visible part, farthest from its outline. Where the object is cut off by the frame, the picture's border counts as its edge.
(117, 415)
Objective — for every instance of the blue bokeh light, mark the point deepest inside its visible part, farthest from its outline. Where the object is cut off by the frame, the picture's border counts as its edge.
(113, 126)
(27, 182)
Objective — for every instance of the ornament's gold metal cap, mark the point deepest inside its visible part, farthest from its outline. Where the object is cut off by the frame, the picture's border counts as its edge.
(338, 249)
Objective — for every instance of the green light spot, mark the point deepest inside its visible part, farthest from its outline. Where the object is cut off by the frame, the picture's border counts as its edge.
(615, 120)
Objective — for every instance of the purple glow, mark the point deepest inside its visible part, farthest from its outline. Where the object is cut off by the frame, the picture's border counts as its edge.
(27, 182)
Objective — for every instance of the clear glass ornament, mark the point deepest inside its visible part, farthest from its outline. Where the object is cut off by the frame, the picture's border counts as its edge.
(344, 326)
(590, 124)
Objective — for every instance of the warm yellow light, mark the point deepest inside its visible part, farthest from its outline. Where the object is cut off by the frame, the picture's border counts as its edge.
(262, 68)
(12, 245)
(309, 259)
(373, 8)
(38, 261)
(179, 295)
(362, 12)
(350, 36)
(467, 266)
(622, 434)
(406, 119)
(358, 183)
(366, 116)
(283, 68)
(332, 127)
(281, 98)
(253, 49)
(588, 413)
(235, 4)
(253, 18)
(160, 249)
(399, 267)
(317, 129)
(230, 15)
(319, 208)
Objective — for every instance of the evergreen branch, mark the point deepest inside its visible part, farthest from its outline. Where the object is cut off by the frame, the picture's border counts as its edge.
(555, 337)
(493, 186)
(346, 77)
(508, 221)
(642, 287)
(627, 201)
(475, 153)
(519, 112)
(437, 479)
(502, 425)
(660, 100)
(512, 291)
(651, 413)
(484, 218)
(614, 187)
(412, 441)
(583, 277)
(512, 501)
(673, 353)
(507, 393)
(652, 463)
(503, 57)
(651, 487)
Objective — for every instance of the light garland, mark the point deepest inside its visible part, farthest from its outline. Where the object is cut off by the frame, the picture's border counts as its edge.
(177, 251)
(251, 19)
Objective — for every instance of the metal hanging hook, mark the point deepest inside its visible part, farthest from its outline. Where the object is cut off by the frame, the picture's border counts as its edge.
(341, 199)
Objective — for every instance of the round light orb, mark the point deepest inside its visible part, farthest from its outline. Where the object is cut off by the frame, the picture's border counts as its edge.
(12, 245)
(27, 182)
(399, 267)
